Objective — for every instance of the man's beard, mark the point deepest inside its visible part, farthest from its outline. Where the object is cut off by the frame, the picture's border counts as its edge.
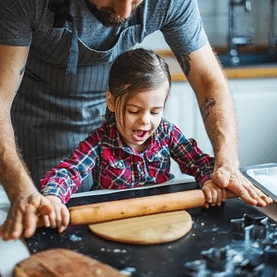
(107, 16)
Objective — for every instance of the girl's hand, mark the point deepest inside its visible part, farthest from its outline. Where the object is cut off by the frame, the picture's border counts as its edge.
(59, 217)
(214, 195)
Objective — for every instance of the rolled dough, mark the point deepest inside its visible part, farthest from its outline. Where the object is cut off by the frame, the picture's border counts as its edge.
(145, 230)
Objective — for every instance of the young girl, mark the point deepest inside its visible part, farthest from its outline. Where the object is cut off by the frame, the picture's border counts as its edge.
(134, 145)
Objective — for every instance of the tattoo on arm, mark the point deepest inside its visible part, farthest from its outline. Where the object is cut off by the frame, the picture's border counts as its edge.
(22, 70)
(207, 107)
(184, 61)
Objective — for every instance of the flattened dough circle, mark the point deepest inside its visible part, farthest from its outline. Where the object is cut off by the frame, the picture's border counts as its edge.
(145, 230)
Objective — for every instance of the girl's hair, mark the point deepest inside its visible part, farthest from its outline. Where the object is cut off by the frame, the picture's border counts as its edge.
(136, 71)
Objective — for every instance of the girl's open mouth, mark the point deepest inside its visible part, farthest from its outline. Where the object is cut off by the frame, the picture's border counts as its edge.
(139, 133)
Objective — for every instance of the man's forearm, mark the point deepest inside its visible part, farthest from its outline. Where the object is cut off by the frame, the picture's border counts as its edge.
(13, 173)
(216, 104)
(214, 99)
(218, 114)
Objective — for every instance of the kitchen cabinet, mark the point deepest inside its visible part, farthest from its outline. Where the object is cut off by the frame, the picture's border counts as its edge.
(256, 108)
(256, 102)
(181, 109)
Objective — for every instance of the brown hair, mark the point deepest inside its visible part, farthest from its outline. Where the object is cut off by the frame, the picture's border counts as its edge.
(136, 71)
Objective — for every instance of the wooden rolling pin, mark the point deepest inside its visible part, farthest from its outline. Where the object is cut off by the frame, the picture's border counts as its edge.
(126, 208)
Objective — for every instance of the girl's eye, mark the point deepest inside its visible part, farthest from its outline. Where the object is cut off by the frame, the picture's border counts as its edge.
(156, 112)
(132, 112)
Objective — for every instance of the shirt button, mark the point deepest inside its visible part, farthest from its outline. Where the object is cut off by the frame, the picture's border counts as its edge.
(119, 164)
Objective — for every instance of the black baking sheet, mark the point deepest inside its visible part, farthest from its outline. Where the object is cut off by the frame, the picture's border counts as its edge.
(211, 230)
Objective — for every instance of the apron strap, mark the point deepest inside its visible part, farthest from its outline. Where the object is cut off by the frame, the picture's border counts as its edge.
(62, 13)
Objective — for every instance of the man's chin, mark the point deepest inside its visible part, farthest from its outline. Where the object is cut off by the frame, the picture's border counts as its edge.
(112, 23)
(107, 18)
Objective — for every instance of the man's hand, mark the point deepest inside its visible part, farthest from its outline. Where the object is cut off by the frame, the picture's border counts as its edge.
(23, 215)
(236, 182)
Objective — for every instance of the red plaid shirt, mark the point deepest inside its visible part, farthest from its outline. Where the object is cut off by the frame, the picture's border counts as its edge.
(114, 165)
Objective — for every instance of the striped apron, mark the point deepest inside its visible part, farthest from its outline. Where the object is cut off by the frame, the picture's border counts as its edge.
(52, 111)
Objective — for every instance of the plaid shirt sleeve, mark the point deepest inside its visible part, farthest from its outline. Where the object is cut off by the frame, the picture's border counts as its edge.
(66, 177)
(189, 157)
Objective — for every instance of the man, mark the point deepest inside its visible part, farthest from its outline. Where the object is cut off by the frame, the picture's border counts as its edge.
(55, 57)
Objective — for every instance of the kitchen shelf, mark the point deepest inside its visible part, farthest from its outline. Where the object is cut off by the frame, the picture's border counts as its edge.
(253, 65)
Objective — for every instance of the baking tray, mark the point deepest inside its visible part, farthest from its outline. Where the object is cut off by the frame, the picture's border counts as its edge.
(264, 176)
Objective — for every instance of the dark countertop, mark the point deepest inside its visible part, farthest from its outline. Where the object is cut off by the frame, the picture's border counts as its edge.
(216, 232)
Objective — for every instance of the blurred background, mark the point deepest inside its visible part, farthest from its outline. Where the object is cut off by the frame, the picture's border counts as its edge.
(252, 19)
(244, 35)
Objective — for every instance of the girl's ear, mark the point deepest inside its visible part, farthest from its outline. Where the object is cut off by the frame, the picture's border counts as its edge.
(110, 101)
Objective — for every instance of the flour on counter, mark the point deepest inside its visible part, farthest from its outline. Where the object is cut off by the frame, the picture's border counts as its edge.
(75, 238)
(114, 250)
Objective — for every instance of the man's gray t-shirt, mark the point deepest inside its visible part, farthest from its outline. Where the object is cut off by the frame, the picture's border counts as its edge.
(52, 112)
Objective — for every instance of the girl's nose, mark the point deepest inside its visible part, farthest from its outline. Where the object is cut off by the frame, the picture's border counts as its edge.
(145, 120)
(123, 8)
